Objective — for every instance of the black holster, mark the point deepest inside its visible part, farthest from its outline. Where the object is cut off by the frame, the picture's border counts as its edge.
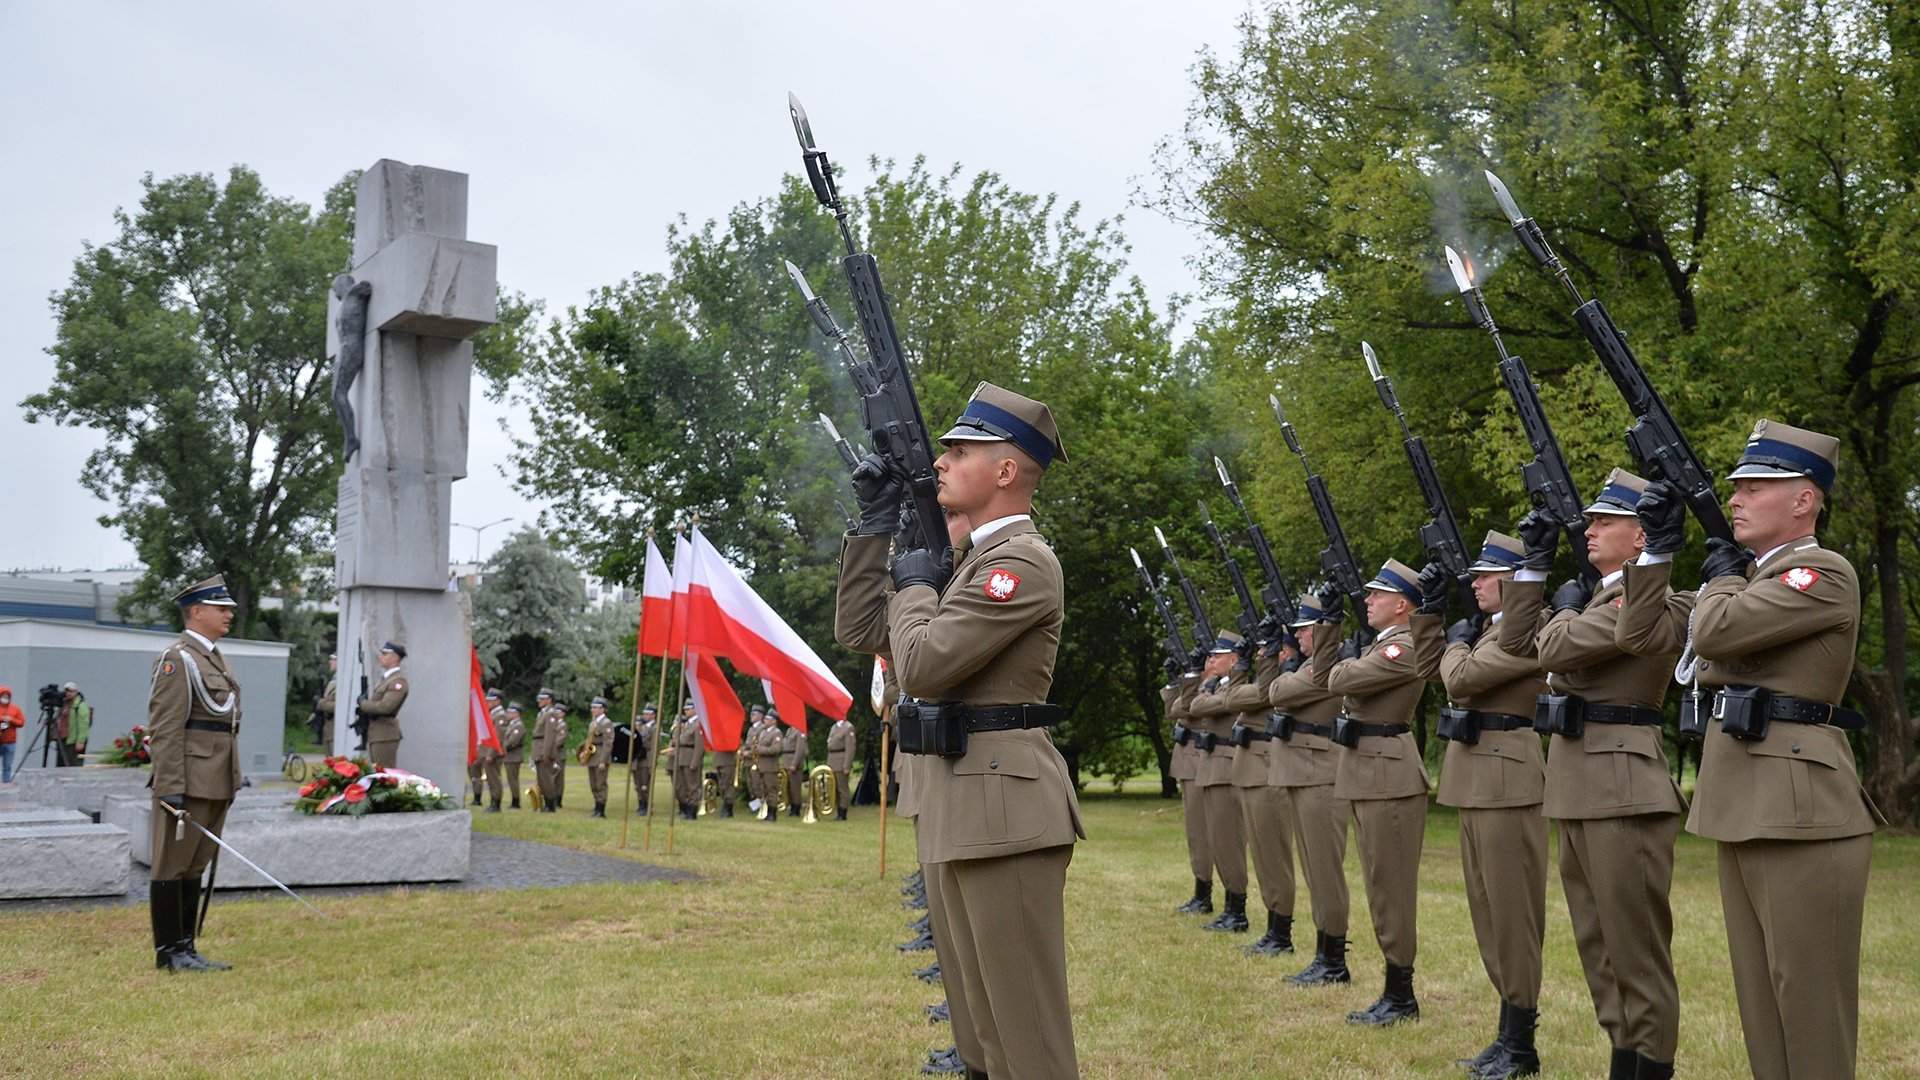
(1208, 740)
(931, 728)
(1560, 714)
(1346, 731)
(1182, 734)
(1242, 734)
(1459, 725)
(1694, 709)
(1280, 725)
(1742, 711)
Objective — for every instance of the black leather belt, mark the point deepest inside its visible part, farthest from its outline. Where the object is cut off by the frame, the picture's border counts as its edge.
(1622, 714)
(220, 726)
(1245, 731)
(1499, 721)
(1797, 710)
(1379, 730)
(1324, 731)
(1012, 717)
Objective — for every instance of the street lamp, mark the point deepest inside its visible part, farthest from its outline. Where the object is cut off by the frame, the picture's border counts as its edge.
(477, 530)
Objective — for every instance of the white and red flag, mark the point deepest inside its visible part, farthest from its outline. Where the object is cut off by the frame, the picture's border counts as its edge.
(682, 576)
(721, 714)
(656, 605)
(480, 730)
(789, 704)
(726, 617)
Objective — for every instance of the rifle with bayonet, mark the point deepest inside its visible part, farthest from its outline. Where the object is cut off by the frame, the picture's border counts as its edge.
(1176, 648)
(1281, 608)
(839, 441)
(1249, 620)
(1203, 635)
(1658, 446)
(1549, 482)
(1336, 559)
(1441, 533)
(888, 407)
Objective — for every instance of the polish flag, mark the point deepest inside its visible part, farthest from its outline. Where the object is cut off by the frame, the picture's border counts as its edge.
(682, 576)
(879, 688)
(726, 617)
(721, 714)
(656, 604)
(792, 709)
(480, 731)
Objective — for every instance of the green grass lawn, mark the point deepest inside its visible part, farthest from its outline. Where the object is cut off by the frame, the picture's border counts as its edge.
(780, 963)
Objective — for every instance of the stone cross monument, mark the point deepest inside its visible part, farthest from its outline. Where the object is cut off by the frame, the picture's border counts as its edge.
(421, 290)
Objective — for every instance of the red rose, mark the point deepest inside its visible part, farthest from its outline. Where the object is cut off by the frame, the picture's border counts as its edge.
(347, 770)
(308, 788)
(356, 793)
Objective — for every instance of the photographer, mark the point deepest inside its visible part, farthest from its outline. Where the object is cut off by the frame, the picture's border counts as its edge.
(74, 724)
(11, 721)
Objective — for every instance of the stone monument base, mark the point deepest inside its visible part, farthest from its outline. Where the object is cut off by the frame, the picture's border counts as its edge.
(84, 789)
(62, 858)
(304, 849)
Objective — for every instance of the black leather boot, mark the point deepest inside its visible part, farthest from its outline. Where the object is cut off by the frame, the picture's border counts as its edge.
(928, 974)
(494, 806)
(773, 813)
(1645, 1068)
(1622, 1065)
(1278, 938)
(841, 814)
(163, 904)
(640, 809)
(516, 803)
(726, 809)
(186, 910)
(1396, 1003)
(944, 1061)
(1474, 1063)
(1233, 920)
(1329, 963)
(922, 943)
(476, 798)
(921, 925)
(1202, 901)
(913, 883)
(1513, 1053)
(939, 1014)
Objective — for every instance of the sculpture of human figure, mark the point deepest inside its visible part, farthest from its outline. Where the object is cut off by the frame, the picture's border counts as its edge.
(351, 322)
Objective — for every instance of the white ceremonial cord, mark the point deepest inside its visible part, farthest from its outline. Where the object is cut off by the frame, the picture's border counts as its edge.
(200, 688)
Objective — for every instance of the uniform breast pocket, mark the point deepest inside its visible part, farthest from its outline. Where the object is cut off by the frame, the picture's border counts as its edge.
(996, 797)
(1803, 779)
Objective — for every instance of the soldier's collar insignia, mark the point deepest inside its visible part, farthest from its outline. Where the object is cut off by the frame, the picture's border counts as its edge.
(1001, 585)
(1800, 578)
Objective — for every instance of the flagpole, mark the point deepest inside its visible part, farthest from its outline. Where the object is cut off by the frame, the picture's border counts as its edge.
(633, 744)
(678, 708)
(653, 757)
(885, 711)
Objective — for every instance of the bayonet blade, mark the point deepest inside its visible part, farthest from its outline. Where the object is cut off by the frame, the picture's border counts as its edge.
(1136, 558)
(1279, 413)
(801, 129)
(1162, 537)
(1505, 199)
(1221, 468)
(832, 432)
(1462, 274)
(799, 281)
(1373, 362)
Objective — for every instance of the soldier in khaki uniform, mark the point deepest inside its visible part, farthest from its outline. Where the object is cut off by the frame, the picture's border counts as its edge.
(687, 755)
(193, 719)
(1265, 813)
(750, 765)
(1609, 786)
(1303, 758)
(725, 764)
(1212, 708)
(841, 744)
(513, 747)
(642, 762)
(1494, 772)
(487, 759)
(1379, 770)
(974, 643)
(549, 748)
(1777, 786)
(793, 758)
(477, 768)
(328, 703)
(1185, 768)
(599, 754)
(382, 707)
(767, 746)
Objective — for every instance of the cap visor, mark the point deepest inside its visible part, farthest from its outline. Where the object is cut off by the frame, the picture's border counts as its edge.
(963, 433)
(1765, 472)
(218, 603)
(1489, 568)
(1380, 586)
(1608, 509)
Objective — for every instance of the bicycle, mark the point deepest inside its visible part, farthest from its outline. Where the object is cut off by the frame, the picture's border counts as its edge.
(294, 767)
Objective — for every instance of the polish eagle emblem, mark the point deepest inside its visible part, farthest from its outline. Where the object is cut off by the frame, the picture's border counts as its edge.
(1001, 585)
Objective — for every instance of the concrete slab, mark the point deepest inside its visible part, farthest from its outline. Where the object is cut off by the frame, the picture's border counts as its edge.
(64, 860)
(302, 849)
(83, 789)
(42, 815)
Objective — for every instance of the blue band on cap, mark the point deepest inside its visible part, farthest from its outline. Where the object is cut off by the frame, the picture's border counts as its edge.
(1308, 615)
(1018, 431)
(1788, 456)
(1399, 583)
(201, 596)
(1499, 555)
(1621, 494)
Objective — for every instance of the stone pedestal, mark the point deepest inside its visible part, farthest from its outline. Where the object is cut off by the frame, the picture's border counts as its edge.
(43, 816)
(78, 859)
(302, 849)
(84, 789)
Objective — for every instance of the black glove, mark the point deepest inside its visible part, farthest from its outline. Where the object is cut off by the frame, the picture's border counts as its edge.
(1465, 632)
(1174, 669)
(1270, 629)
(1540, 531)
(178, 802)
(879, 494)
(1331, 610)
(1724, 559)
(922, 567)
(1664, 518)
(1292, 664)
(1571, 596)
(1349, 648)
(1197, 658)
(1433, 583)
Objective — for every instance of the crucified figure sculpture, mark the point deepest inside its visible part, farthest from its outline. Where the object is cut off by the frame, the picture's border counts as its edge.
(351, 323)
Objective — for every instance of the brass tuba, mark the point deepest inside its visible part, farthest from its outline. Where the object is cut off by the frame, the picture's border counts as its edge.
(709, 794)
(823, 792)
(533, 797)
(779, 795)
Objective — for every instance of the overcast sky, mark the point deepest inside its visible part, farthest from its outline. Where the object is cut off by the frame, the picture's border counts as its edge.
(586, 129)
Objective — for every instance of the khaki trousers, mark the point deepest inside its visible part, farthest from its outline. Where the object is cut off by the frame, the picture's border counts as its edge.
(475, 776)
(686, 787)
(1793, 911)
(1266, 814)
(1389, 833)
(724, 764)
(1008, 918)
(842, 789)
(384, 753)
(552, 778)
(1226, 837)
(642, 783)
(185, 859)
(1503, 853)
(1617, 874)
(597, 782)
(1320, 824)
(513, 780)
(796, 790)
(1194, 808)
(492, 772)
(952, 978)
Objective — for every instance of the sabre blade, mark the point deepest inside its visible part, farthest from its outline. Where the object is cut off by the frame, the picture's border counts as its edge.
(1505, 198)
(181, 816)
